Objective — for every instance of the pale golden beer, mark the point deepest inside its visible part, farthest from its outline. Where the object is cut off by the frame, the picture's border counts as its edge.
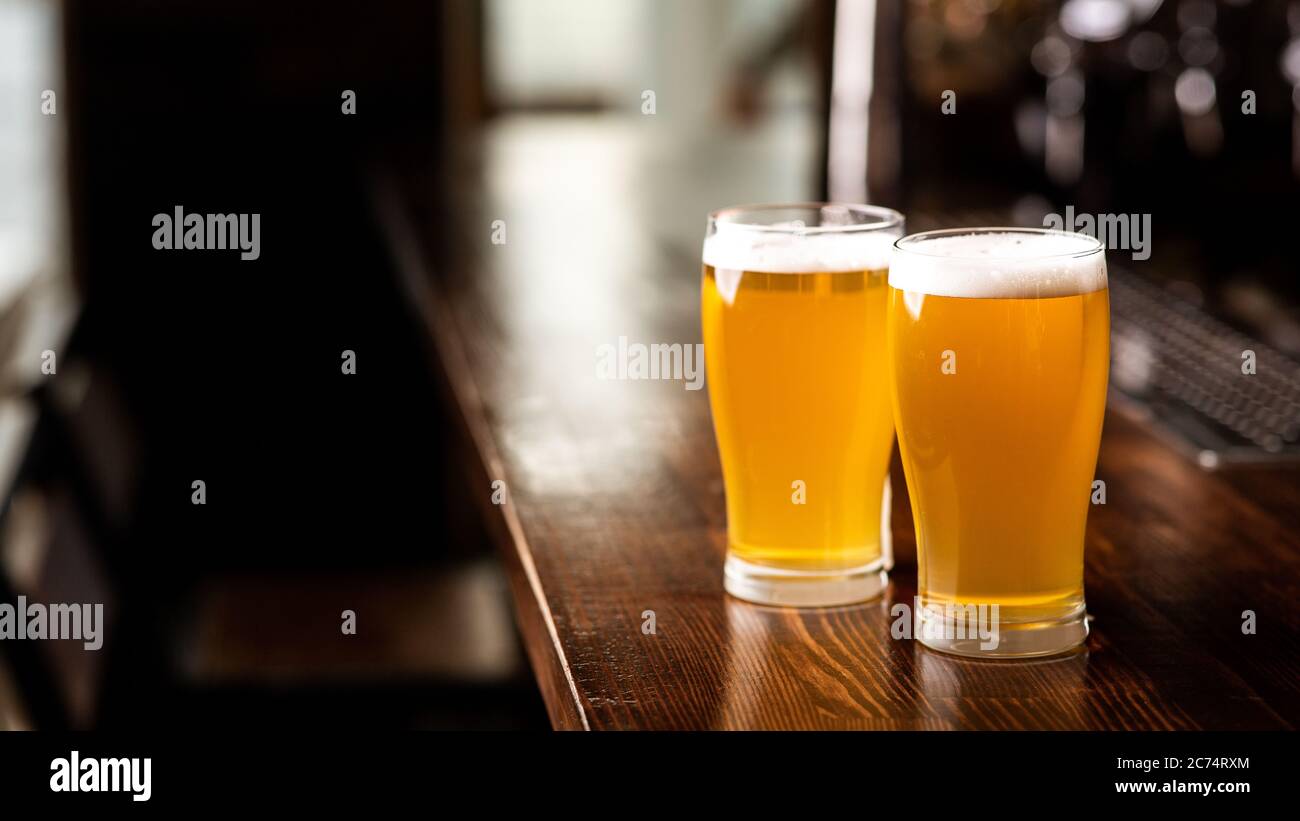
(999, 352)
(793, 307)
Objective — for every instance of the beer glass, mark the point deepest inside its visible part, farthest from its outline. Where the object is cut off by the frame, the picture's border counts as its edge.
(999, 345)
(793, 307)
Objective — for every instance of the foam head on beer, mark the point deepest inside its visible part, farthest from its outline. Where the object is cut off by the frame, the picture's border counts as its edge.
(1009, 265)
(787, 248)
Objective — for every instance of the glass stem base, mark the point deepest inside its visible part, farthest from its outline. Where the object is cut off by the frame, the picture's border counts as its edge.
(1030, 639)
(802, 588)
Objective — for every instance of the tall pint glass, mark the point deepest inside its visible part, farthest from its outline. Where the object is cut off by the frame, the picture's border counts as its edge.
(998, 352)
(793, 307)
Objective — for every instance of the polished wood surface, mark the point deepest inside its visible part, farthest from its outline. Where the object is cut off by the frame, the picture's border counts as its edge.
(616, 507)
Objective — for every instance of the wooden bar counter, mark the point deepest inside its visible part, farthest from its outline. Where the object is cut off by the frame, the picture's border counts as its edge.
(614, 504)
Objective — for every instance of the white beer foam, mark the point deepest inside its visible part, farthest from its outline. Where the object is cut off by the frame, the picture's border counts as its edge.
(1009, 265)
(810, 251)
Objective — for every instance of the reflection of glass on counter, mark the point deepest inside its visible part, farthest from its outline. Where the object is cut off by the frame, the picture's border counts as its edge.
(769, 680)
(1009, 700)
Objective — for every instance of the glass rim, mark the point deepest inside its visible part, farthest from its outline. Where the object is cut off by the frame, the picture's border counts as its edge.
(902, 245)
(886, 217)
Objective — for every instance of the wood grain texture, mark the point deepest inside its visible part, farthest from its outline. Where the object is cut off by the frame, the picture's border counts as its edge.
(616, 507)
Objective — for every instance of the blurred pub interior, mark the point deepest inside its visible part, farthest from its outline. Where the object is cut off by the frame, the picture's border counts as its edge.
(326, 493)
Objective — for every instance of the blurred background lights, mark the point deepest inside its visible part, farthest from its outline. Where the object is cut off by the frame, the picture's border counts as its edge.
(1194, 91)
(1194, 13)
(1065, 94)
(1198, 46)
(1095, 20)
(1147, 51)
(1051, 56)
(1142, 10)
(1291, 62)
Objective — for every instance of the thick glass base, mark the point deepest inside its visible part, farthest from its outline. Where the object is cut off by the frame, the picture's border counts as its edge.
(802, 588)
(1014, 640)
